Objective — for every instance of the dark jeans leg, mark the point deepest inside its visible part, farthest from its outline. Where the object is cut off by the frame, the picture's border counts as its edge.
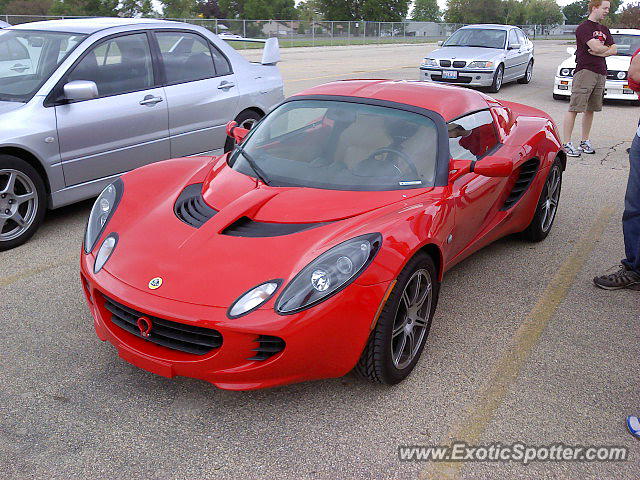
(631, 216)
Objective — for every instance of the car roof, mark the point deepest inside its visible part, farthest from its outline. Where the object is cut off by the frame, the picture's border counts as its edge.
(91, 25)
(489, 26)
(449, 101)
(628, 31)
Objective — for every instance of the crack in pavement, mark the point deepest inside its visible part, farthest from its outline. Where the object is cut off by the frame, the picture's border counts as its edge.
(612, 149)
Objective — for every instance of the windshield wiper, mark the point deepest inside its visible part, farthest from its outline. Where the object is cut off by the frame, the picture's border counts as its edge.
(259, 172)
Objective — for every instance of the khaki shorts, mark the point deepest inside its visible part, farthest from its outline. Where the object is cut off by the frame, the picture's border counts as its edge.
(587, 91)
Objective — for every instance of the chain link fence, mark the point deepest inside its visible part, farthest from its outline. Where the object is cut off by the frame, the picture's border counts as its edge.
(300, 33)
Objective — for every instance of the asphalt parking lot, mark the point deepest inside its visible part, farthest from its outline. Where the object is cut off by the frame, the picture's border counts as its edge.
(522, 348)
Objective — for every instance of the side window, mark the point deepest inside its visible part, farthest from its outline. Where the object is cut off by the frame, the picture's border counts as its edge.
(522, 38)
(513, 37)
(186, 57)
(4, 52)
(222, 64)
(472, 137)
(117, 66)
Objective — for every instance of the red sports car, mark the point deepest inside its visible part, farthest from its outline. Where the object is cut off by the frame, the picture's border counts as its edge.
(319, 243)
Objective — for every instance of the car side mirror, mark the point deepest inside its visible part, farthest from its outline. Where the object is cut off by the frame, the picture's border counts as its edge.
(79, 90)
(571, 50)
(440, 42)
(514, 46)
(236, 132)
(493, 167)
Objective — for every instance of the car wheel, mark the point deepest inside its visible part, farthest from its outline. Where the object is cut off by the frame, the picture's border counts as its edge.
(22, 201)
(396, 343)
(527, 74)
(246, 119)
(547, 206)
(497, 80)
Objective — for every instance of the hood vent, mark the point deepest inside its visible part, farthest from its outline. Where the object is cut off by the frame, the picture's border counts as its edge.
(527, 173)
(245, 227)
(268, 346)
(191, 208)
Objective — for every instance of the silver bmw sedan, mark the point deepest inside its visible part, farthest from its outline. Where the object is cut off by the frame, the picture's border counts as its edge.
(481, 56)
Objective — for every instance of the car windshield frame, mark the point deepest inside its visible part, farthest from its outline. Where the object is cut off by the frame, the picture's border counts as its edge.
(51, 69)
(462, 30)
(441, 169)
(631, 50)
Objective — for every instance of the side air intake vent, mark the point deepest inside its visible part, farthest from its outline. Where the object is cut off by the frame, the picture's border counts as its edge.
(527, 173)
(245, 227)
(191, 208)
(268, 346)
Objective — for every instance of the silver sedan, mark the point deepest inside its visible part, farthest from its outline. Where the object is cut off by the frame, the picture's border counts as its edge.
(481, 56)
(84, 100)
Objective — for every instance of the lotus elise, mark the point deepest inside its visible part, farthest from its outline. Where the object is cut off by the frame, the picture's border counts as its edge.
(318, 244)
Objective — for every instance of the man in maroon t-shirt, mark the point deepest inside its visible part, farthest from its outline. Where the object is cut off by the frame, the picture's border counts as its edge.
(594, 43)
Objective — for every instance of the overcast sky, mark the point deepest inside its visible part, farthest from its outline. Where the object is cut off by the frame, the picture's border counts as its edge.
(562, 3)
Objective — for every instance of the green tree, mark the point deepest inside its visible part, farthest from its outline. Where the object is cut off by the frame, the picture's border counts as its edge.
(473, 11)
(26, 7)
(135, 8)
(544, 12)
(341, 9)
(95, 8)
(179, 8)
(514, 12)
(385, 10)
(274, 9)
(309, 10)
(426, 11)
(575, 12)
(630, 16)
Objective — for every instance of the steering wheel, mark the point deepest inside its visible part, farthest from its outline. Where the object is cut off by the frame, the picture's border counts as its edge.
(397, 153)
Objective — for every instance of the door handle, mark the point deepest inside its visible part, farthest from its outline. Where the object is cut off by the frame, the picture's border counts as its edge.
(225, 85)
(150, 100)
(19, 68)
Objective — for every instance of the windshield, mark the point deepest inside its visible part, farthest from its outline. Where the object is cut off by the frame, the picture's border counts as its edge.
(627, 44)
(28, 58)
(340, 146)
(477, 37)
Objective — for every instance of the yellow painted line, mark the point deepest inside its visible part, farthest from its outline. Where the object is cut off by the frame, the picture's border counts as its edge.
(34, 271)
(479, 413)
(334, 75)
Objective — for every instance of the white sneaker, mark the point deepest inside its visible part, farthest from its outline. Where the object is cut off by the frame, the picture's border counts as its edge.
(586, 147)
(571, 150)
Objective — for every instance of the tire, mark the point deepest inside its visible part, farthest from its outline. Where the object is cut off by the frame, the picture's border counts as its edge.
(246, 119)
(559, 97)
(20, 216)
(382, 359)
(528, 73)
(498, 77)
(541, 224)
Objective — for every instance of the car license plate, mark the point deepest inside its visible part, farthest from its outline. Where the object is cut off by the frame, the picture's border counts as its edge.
(450, 74)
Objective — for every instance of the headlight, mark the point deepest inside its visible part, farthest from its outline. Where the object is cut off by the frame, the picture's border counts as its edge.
(566, 72)
(480, 64)
(329, 273)
(101, 213)
(106, 249)
(252, 299)
(429, 62)
(621, 75)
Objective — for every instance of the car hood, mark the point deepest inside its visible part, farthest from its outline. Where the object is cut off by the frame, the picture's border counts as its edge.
(614, 62)
(466, 53)
(215, 263)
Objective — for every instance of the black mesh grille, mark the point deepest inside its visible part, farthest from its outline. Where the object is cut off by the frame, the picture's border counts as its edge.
(460, 79)
(174, 335)
(245, 227)
(268, 346)
(525, 177)
(191, 208)
(445, 63)
(459, 64)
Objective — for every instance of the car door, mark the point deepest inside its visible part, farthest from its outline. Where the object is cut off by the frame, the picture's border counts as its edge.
(527, 49)
(126, 126)
(201, 92)
(474, 197)
(512, 57)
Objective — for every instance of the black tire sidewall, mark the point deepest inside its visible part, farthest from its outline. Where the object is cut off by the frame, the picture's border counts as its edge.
(494, 86)
(243, 117)
(534, 231)
(386, 370)
(15, 163)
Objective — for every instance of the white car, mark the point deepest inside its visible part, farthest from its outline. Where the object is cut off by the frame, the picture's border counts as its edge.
(616, 87)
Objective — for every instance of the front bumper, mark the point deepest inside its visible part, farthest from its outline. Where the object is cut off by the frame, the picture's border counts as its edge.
(472, 78)
(613, 89)
(324, 341)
